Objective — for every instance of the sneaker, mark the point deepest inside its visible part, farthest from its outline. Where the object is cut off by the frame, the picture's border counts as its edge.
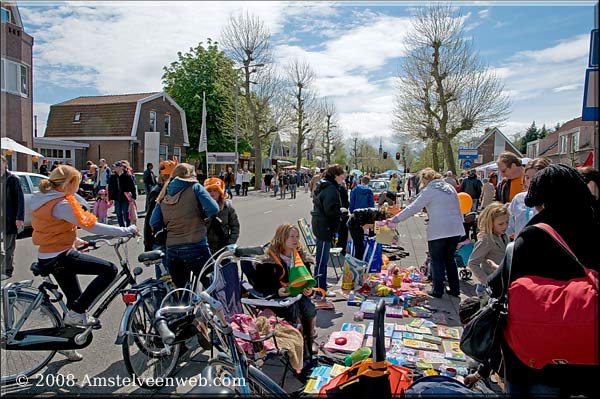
(5, 276)
(72, 355)
(80, 319)
(330, 294)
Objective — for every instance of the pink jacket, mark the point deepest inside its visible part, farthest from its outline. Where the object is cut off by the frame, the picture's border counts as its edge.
(101, 208)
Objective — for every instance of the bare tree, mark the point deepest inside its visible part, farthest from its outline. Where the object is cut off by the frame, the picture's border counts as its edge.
(303, 101)
(245, 40)
(355, 149)
(330, 140)
(445, 87)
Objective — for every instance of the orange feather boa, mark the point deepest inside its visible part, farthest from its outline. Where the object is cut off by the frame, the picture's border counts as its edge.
(84, 218)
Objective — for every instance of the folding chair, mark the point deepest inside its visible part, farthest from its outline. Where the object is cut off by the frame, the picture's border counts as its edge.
(311, 245)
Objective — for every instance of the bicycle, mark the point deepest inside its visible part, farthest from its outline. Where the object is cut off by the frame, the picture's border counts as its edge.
(231, 362)
(31, 327)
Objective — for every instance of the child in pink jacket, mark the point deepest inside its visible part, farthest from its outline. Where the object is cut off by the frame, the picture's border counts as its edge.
(101, 207)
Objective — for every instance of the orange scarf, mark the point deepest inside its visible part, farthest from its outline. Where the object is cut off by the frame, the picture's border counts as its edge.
(84, 218)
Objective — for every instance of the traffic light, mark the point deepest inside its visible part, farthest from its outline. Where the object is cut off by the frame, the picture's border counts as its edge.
(385, 155)
(397, 156)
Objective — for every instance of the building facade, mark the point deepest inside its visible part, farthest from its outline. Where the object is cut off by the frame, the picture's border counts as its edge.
(117, 127)
(491, 145)
(16, 77)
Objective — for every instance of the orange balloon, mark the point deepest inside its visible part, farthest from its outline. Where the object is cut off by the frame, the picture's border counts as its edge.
(466, 202)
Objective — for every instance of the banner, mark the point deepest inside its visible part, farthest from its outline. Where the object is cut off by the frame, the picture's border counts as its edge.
(202, 144)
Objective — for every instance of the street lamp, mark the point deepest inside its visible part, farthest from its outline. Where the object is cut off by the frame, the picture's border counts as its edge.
(237, 91)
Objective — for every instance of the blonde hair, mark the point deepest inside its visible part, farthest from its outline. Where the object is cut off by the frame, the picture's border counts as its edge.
(487, 217)
(508, 159)
(182, 170)
(281, 235)
(429, 174)
(61, 176)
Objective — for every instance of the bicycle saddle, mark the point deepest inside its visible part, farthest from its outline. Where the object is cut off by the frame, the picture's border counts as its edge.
(150, 256)
(39, 270)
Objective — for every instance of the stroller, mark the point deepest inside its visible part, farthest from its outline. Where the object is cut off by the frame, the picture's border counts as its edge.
(463, 249)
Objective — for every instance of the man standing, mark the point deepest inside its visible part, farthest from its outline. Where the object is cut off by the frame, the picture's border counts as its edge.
(472, 186)
(268, 178)
(149, 181)
(13, 210)
(229, 180)
(450, 179)
(245, 182)
(239, 179)
(120, 183)
(44, 167)
(512, 172)
(293, 184)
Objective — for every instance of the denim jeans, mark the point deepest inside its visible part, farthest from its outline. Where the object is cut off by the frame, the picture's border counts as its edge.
(237, 190)
(293, 188)
(228, 190)
(122, 211)
(71, 263)
(442, 252)
(322, 255)
(183, 260)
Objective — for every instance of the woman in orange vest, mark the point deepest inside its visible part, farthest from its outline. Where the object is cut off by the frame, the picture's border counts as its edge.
(55, 216)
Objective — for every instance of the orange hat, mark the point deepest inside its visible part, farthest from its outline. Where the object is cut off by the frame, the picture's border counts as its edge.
(166, 167)
(216, 183)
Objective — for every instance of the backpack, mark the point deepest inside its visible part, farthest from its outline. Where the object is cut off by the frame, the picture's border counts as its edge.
(552, 321)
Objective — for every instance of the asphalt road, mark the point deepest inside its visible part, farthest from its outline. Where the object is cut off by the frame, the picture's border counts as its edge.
(259, 216)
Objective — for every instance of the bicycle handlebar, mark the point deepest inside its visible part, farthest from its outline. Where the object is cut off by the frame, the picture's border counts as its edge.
(167, 336)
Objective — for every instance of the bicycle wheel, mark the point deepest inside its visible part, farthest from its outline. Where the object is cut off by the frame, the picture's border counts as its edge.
(144, 353)
(14, 363)
(228, 377)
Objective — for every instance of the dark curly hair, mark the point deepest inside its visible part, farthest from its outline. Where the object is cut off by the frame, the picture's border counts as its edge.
(558, 186)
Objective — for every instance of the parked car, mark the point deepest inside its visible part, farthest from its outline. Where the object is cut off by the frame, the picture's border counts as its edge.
(378, 186)
(30, 184)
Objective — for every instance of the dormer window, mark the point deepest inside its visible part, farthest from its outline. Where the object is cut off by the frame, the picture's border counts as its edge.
(5, 15)
(77, 117)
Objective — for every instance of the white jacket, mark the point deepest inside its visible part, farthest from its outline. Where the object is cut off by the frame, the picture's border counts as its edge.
(443, 208)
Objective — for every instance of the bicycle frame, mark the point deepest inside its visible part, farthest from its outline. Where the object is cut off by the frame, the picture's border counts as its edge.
(124, 278)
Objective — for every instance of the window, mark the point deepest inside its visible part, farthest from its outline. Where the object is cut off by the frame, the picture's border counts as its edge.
(167, 125)
(67, 153)
(163, 152)
(35, 181)
(24, 185)
(77, 117)
(563, 144)
(15, 78)
(177, 153)
(152, 121)
(575, 142)
(5, 15)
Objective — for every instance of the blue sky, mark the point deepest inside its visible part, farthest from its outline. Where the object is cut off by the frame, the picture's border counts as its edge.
(540, 49)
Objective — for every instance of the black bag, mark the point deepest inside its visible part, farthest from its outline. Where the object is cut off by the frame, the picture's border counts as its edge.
(481, 335)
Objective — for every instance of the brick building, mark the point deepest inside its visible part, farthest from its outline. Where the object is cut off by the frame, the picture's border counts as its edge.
(16, 95)
(115, 127)
(493, 143)
(571, 144)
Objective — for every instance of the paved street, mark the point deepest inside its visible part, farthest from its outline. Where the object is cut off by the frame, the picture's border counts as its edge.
(259, 216)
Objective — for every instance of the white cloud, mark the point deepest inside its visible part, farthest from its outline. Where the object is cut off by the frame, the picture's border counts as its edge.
(566, 88)
(565, 50)
(484, 13)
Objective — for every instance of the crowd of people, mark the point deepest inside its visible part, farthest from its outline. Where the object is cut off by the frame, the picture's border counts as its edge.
(190, 221)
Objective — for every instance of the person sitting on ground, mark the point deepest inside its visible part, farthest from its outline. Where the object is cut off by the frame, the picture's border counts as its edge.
(361, 196)
(491, 240)
(272, 278)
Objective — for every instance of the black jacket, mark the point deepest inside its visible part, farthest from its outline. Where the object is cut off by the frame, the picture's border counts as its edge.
(326, 209)
(118, 185)
(364, 216)
(149, 239)
(268, 274)
(224, 228)
(536, 253)
(472, 186)
(14, 202)
(149, 178)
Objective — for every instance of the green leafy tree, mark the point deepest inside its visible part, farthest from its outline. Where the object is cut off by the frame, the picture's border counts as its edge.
(204, 69)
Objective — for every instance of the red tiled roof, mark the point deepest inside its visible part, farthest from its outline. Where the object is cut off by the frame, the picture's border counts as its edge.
(573, 123)
(101, 100)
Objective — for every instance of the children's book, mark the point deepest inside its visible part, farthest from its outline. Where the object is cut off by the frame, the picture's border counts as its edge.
(387, 342)
(353, 341)
(400, 327)
(368, 308)
(393, 312)
(429, 324)
(369, 329)
(432, 357)
(388, 329)
(321, 371)
(448, 332)
(432, 338)
(419, 330)
(452, 350)
(408, 351)
(353, 327)
(396, 344)
(413, 343)
(418, 311)
(336, 370)
(314, 385)
(424, 365)
(416, 323)
(397, 335)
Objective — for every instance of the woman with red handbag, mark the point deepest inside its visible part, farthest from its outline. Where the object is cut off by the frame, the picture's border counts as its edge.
(550, 252)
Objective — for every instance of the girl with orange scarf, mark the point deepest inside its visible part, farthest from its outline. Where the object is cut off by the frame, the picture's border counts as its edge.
(56, 214)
